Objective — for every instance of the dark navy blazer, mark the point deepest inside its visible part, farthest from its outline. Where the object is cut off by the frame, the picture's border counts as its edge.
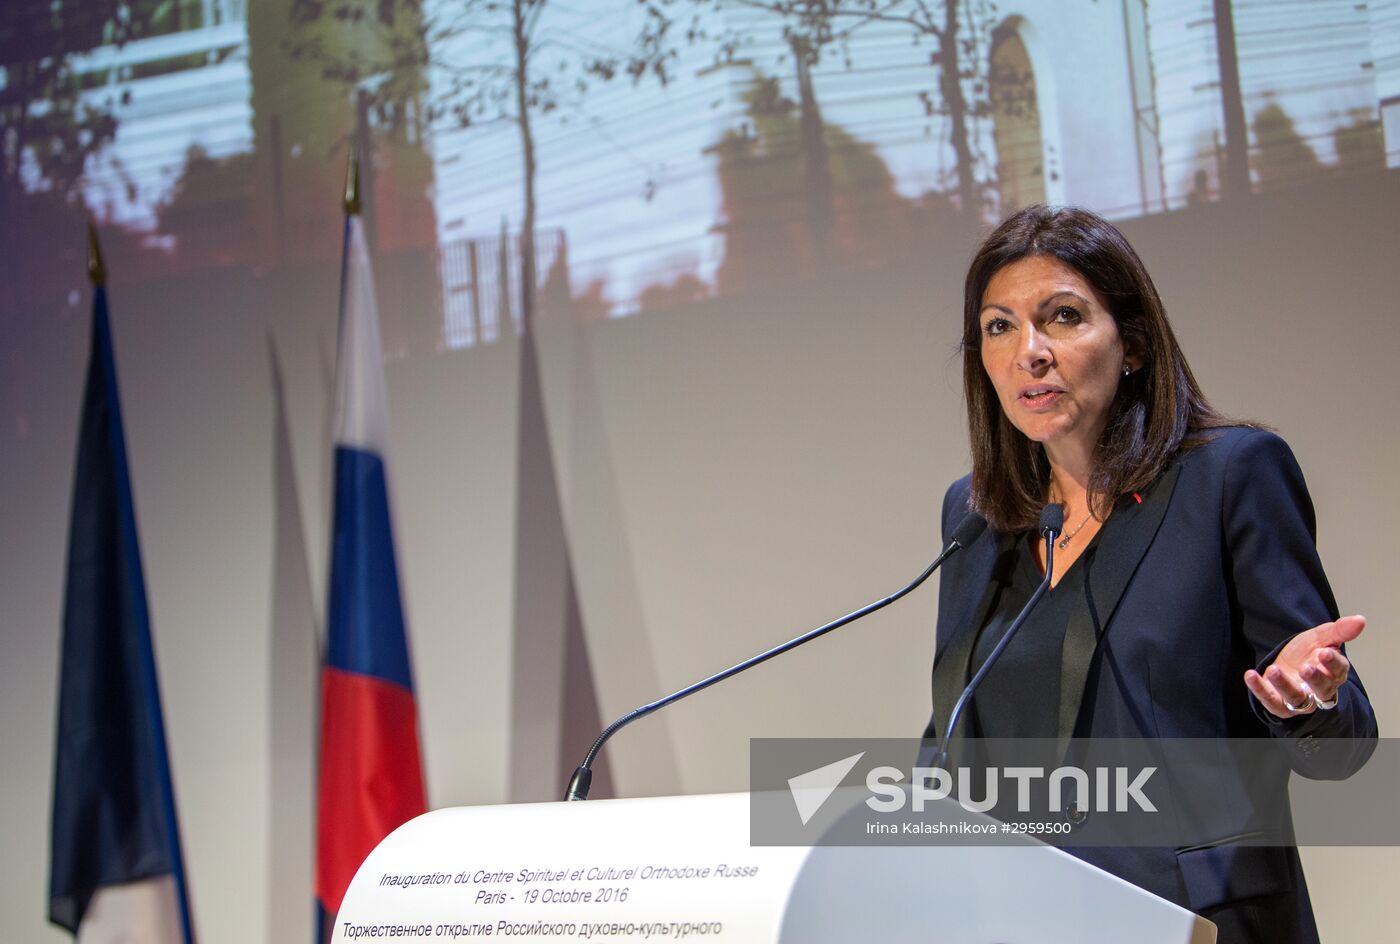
(1209, 575)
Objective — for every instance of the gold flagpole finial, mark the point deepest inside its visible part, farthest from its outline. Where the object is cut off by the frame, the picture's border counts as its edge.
(97, 272)
(352, 184)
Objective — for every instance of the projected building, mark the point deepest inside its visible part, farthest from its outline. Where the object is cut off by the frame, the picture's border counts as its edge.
(645, 179)
(1132, 122)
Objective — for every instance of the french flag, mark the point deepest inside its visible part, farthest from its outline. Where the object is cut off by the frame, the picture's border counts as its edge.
(115, 869)
(371, 775)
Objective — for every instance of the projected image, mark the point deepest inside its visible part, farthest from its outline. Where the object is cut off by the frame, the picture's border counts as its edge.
(622, 157)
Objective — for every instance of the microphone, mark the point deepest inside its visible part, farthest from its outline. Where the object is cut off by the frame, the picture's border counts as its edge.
(1052, 522)
(967, 531)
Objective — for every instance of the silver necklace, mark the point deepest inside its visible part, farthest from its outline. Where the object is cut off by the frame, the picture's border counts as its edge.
(1064, 541)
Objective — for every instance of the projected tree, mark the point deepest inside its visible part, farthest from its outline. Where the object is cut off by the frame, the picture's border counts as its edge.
(1283, 155)
(806, 39)
(760, 179)
(957, 30)
(499, 62)
(52, 117)
(58, 104)
(1360, 143)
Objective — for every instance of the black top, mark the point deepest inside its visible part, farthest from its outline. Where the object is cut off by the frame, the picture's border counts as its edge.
(1020, 696)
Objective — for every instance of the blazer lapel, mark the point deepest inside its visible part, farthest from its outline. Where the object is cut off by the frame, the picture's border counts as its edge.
(1108, 568)
(950, 669)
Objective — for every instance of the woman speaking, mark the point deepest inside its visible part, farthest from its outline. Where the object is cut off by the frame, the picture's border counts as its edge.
(1187, 599)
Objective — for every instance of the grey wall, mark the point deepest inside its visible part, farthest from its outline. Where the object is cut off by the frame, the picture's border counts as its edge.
(732, 471)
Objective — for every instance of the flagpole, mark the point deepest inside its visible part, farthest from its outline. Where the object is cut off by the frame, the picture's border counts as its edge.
(97, 271)
(352, 184)
(351, 204)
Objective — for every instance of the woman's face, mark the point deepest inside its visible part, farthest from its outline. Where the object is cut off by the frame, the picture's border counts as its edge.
(1053, 353)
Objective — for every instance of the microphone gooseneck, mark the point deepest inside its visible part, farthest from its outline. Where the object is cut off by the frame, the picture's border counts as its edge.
(967, 531)
(1052, 522)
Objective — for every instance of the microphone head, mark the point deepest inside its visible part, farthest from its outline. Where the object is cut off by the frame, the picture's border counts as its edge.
(1052, 519)
(968, 530)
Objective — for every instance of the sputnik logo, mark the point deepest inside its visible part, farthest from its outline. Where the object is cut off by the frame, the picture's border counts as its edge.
(815, 787)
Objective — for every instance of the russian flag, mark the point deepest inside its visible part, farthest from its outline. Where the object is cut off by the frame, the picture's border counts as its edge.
(115, 868)
(371, 777)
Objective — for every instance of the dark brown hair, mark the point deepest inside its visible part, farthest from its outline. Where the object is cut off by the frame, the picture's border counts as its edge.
(1156, 412)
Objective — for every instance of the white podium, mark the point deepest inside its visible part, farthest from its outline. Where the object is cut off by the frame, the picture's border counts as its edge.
(682, 868)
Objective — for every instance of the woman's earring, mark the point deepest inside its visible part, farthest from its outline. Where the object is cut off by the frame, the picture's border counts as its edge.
(1127, 370)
